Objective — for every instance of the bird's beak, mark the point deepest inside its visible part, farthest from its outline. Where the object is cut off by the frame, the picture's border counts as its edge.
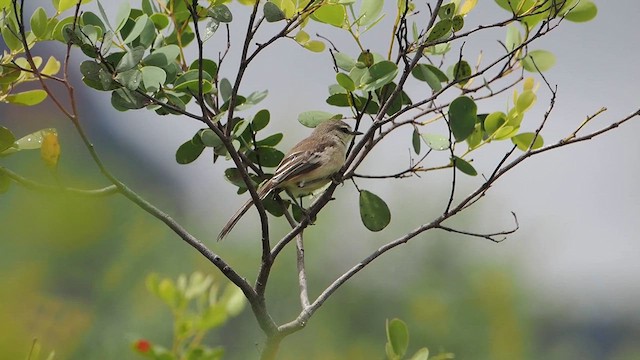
(354, 133)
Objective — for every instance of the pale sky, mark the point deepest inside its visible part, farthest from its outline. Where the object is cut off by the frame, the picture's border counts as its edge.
(578, 207)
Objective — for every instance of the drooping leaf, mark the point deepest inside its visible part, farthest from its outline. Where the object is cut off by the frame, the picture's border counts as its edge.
(398, 337)
(415, 141)
(464, 166)
(374, 212)
(50, 149)
(462, 117)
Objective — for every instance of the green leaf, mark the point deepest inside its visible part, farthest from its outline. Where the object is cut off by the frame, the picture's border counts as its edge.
(446, 11)
(311, 119)
(163, 56)
(209, 138)
(39, 22)
(464, 166)
(525, 101)
(89, 18)
(122, 15)
(272, 12)
(433, 76)
(266, 156)
(461, 71)
(514, 37)
(378, 75)
(422, 354)
(153, 78)
(314, 46)
(538, 59)
(398, 337)
(253, 99)
(27, 98)
(344, 61)
(225, 89)
(233, 176)
(221, 13)
(124, 99)
(436, 142)
(260, 120)
(415, 141)
(345, 81)
(6, 138)
(476, 136)
(130, 79)
(271, 140)
(462, 117)
(332, 14)
(440, 30)
(233, 300)
(9, 31)
(190, 81)
(188, 152)
(523, 141)
(160, 21)
(457, 23)
(140, 24)
(374, 212)
(130, 59)
(208, 65)
(369, 11)
(366, 57)
(584, 11)
(494, 121)
(34, 140)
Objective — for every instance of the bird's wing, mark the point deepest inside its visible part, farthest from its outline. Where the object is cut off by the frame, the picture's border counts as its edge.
(295, 164)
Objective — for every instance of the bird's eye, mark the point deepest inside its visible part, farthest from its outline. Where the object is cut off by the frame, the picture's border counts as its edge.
(345, 130)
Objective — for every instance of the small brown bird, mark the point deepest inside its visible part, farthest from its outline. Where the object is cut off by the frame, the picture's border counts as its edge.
(307, 167)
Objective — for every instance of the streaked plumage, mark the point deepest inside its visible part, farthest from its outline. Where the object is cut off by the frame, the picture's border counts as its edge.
(307, 167)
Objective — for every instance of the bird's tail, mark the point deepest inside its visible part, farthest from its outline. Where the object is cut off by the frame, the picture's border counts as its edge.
(262, 193)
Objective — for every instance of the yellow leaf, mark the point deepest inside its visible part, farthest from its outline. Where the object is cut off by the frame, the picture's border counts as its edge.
(50, 149)
(467, 6)
(51, 67)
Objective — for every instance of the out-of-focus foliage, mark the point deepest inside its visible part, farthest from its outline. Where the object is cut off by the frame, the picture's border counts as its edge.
(198, 305)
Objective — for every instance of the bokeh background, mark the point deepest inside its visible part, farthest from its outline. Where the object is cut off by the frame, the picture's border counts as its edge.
(565, 286)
